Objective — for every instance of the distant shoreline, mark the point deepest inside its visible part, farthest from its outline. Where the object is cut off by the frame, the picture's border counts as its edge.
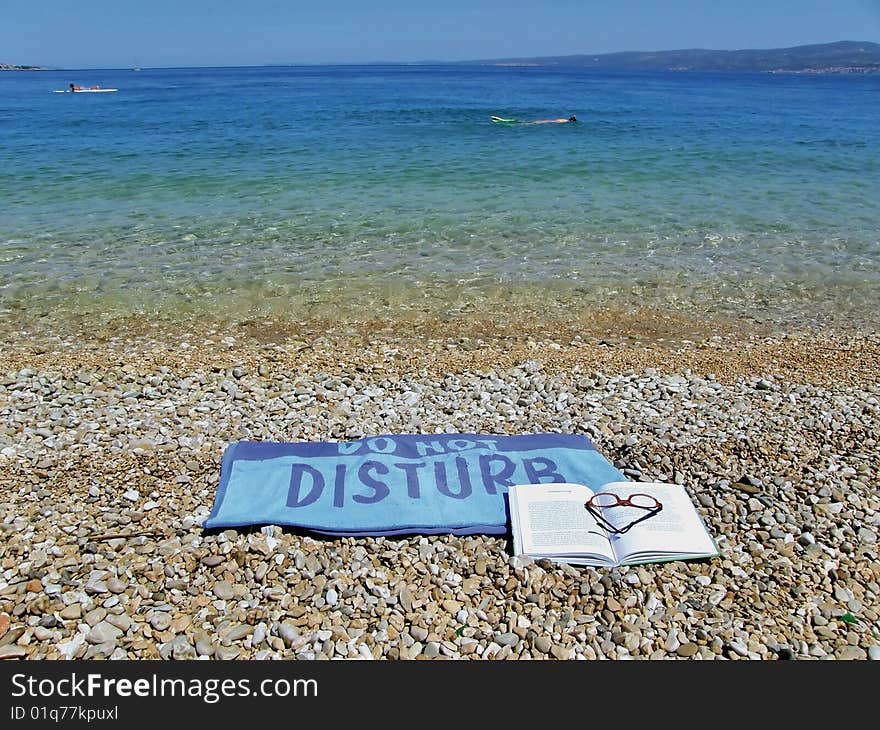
(861, 70)
(13, 67)
(840, 57)
(856, 70)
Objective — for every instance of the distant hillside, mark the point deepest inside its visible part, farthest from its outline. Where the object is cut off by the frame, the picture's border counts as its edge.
(840, 57)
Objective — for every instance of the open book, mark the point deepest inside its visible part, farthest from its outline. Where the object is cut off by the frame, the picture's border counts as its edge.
(551, 521)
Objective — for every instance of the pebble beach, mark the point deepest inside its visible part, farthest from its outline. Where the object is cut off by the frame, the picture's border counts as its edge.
(110, 448)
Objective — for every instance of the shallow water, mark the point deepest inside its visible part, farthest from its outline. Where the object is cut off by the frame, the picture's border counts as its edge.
(347, 190)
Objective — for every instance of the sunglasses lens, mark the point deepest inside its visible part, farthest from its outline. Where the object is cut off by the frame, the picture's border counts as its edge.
(643, 500)
(603, 500)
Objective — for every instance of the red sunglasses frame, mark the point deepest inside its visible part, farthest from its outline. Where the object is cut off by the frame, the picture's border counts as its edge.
(593, 509)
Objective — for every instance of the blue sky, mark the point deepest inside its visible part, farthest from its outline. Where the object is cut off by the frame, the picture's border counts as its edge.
(148, 33)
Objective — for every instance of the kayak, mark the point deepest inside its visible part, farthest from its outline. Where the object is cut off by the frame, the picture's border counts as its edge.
(83, 91)
(502, 120)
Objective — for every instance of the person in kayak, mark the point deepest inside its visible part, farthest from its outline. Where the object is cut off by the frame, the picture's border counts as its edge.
(74, 87)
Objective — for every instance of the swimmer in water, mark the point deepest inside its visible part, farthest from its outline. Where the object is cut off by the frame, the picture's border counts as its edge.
(572, 118)
(561, 120)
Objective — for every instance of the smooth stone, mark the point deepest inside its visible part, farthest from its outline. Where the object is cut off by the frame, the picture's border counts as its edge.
(687, 650)
(95, 616)
(12, 651)
(223, 589)
(96, 587)
(288, 633)
(227, 653)
(13, 635)
(543, 644)
(160, 621)
(507, 639)
(114, 585)
(34, 586)
(405, 598)
(71, 612)
(181, 649)
(874, 652)
(237, 633)
(120, 620)
(850, 652)
(70, 649)
(103, 633)
(745, 487)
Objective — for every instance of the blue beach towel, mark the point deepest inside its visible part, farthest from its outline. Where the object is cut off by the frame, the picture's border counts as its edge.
(390, 485)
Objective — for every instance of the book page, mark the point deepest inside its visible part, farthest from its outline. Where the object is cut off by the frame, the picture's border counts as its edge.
(551, 520)
(676, 529)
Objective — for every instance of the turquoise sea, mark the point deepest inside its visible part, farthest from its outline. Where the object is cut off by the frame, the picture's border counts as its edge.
(352, 191)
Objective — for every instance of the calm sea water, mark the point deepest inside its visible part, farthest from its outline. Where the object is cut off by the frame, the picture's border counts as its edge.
(346, 190)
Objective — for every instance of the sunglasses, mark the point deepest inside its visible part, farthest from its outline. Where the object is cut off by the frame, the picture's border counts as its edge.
(606, 500)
